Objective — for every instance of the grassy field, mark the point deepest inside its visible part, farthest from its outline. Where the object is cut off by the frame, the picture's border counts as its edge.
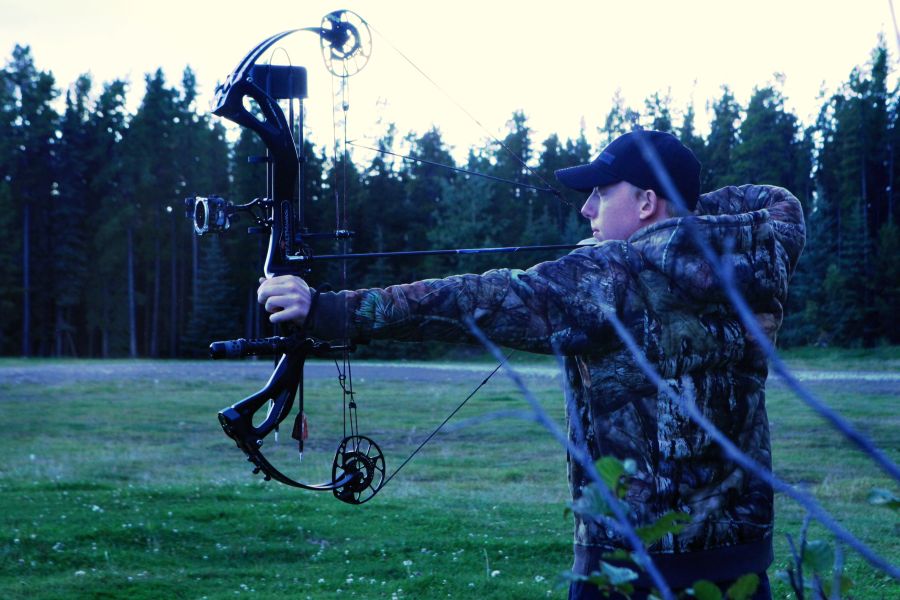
(118, 482)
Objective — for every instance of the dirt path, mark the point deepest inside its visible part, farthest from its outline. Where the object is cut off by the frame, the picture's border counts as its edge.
(62, 372)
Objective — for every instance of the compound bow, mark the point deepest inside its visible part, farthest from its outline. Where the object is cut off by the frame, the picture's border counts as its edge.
(358, 469)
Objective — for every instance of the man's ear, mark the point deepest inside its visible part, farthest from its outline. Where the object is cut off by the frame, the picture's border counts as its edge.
(650, 205)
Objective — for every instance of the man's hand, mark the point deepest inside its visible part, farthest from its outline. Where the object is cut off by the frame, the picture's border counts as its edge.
(287, 297)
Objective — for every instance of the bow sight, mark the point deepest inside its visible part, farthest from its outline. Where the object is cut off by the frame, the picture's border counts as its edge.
(358, 469)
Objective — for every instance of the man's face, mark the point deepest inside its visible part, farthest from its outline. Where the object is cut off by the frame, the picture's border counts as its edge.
(614, 211)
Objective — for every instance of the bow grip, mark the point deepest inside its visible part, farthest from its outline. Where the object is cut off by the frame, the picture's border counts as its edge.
(239, 348)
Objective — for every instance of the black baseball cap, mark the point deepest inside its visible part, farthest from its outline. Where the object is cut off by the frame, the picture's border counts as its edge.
(623, 160)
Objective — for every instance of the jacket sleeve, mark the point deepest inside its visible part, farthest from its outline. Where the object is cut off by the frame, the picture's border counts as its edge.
(556, 306)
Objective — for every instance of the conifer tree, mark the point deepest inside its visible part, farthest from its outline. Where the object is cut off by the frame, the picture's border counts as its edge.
(687, 133)
(566, 224)
(619, 120)
(105, 311)
(467, 218)
(384, 219)
(424, 185)
(32, 184)
(202, 160)
(723, 137)
(659, 112)
(10, 224)
(151, 182)
(512, 206)
(212, 317)
(68, 217)
(771, 149)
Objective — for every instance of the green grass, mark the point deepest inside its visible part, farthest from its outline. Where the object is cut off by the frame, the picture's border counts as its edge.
(881, 358)
(128, 488)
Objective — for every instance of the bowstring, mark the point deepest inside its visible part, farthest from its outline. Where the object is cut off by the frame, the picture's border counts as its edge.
(340, 100)
(447, 418)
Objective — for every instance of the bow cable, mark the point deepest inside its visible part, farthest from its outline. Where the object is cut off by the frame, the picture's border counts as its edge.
(340, 112)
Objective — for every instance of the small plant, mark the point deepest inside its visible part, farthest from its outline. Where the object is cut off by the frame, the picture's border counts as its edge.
(816, 569)
(885, 498)
(611, 578)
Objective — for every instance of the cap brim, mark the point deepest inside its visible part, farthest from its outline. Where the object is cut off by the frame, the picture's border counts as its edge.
(584, 178)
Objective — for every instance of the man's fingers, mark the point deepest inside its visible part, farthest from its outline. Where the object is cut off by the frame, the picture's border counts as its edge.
(269, 289)
(288, 314)
(276, 303)
(286, 307)
(286, 297)
(278, 286)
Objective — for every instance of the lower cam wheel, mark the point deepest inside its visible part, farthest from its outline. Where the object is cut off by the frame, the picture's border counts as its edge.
(360, 458)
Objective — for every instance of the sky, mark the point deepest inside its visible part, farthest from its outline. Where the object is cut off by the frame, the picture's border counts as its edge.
(560, 62)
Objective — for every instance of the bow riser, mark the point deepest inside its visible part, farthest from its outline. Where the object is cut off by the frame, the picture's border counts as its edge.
(283, 169)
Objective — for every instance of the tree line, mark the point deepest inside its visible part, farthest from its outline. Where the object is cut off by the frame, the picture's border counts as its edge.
(98, 259)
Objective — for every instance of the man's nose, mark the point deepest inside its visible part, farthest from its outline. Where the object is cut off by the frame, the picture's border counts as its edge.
(589, 209)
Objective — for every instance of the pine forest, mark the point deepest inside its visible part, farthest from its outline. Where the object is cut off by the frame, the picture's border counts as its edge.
(98, 259)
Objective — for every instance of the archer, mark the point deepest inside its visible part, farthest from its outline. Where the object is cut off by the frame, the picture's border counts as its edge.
(647, 270)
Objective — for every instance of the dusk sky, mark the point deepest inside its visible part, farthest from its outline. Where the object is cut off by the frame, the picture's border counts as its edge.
(559, 62)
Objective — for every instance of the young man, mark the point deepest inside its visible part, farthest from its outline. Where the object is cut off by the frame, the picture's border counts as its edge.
(648, 270)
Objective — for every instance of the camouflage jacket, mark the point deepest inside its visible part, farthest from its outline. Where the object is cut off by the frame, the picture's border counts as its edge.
(666, 294)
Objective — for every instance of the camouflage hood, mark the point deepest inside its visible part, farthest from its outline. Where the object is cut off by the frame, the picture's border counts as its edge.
(758, 231)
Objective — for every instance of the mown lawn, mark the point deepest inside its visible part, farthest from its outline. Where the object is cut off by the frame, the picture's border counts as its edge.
(124, 486)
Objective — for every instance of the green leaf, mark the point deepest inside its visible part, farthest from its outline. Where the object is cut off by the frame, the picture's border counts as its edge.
(620, 555)
(598, 579)
(610, 470)
(743, 588)
(617, 575)
(706, 590)
(846, 584)
(883, 497)
(590, 502)
(671, 522)
(818, 557)
(624, 588)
